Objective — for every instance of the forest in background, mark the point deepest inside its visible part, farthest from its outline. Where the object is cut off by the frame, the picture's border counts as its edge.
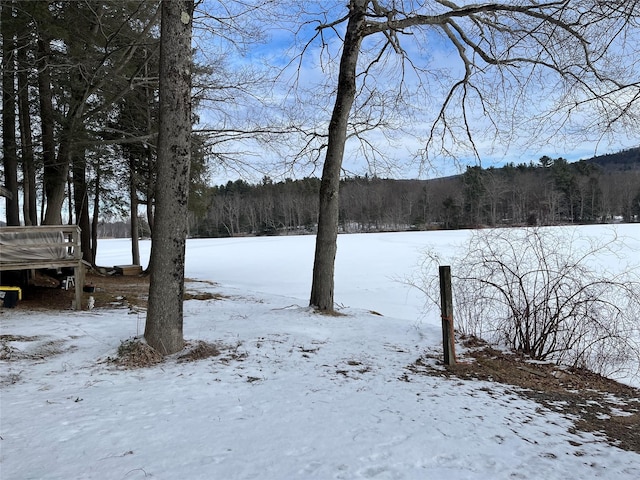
(548, 192)
(79, 125)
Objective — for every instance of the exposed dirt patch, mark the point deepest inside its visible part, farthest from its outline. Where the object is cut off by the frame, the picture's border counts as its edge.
(128, 291)
(47, 298)
(594, 403)
(109, 291)
(20, 347)
(200, 350)
(37, 349)
(330, 313)
(18, 338)
(7, 379)
(203, 296)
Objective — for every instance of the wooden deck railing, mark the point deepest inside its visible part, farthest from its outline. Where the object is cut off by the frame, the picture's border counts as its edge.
(67, 245)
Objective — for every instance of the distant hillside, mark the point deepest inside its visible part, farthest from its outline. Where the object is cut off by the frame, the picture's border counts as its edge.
(624, 160)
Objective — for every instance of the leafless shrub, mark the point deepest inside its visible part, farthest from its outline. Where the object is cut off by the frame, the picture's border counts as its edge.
(548, 293)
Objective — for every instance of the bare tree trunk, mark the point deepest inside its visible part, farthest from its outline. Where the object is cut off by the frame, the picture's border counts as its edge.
(9, 150)
(327, 237)
(151, 188)
(151, 183)
(151, 180)
(46, 115)
(69, 197)
(94, 219)
(163, 330)
(133, 191)
(30, 209)
(81, 201)
(57, 173)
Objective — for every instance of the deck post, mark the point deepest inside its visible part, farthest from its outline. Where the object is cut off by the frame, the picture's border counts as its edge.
(79, 281)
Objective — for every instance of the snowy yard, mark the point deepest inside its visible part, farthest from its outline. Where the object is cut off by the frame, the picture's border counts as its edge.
(294, 394)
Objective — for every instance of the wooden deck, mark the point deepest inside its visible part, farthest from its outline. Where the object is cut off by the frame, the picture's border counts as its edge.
(68, 242)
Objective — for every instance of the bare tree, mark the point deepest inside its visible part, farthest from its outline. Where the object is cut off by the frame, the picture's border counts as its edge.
(548, 293)
(163, 330)
(30, 209)
(561, 53)
(9, 152)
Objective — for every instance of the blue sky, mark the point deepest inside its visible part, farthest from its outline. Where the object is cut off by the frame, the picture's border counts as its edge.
(304, 97)
(306, 88)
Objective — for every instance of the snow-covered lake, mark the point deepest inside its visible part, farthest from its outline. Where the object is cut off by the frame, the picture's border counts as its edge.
(369, 267)
(315, 397)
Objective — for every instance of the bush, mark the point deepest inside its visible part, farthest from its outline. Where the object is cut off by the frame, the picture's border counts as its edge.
(547, 293)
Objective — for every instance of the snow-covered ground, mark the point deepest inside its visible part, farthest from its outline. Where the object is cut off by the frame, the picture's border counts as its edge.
(307, 396)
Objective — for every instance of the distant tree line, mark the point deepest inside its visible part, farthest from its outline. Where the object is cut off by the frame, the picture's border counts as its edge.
(550, 192)
(240, 208)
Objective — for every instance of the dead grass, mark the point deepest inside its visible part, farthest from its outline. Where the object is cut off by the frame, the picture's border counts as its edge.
(329, 313)
(136, 353)
(203, 296)
(199, 351)
(595, 403)
(222, 352)
(18, 338)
